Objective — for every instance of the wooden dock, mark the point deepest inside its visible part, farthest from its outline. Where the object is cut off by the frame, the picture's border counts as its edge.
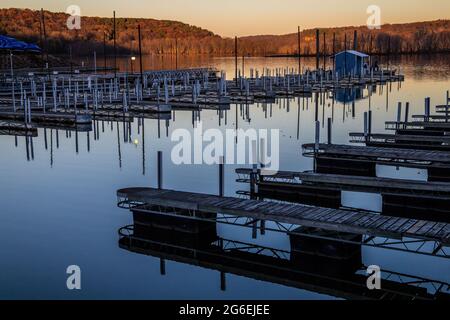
(435, 125)
(363, 160)
(353, 183)
(418, 125)
(357, 183)
(422, 142)
(9, 128)
(48, 117)
(400, 198)
(389, 156)
(314, 217)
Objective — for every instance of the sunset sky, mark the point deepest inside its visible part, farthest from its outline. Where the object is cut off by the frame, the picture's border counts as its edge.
(252, 17)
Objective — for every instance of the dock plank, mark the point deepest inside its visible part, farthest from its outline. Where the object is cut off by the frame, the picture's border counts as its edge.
(416, 227)
(427, 227)
(435, 230)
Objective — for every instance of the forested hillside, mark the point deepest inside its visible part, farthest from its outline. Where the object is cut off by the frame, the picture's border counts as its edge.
(160, 36)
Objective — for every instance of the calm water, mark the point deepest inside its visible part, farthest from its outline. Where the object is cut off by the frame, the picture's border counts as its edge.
(59, 209)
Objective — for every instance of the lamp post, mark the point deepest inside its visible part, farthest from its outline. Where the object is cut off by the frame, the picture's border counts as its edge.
(132, 60)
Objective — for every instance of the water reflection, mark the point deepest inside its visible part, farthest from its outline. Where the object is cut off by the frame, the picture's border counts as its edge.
(323, 266)
(258, 115)
(69, 177)
(349, 95)
(420, 67)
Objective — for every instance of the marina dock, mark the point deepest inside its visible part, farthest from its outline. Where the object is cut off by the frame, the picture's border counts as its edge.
(399, 197)
(403, 157)
(41, 98)
(421, 142)
(194, 206)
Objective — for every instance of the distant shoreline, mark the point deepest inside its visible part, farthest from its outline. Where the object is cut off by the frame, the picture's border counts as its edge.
(371, 54)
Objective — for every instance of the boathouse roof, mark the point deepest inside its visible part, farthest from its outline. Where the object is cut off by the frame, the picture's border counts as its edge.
(353, 52)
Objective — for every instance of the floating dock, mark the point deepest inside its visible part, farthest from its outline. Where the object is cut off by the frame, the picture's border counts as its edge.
(195, 206)
(421, 142)
(401, 198)
(17, 129)
(48, 117)
(362, 160)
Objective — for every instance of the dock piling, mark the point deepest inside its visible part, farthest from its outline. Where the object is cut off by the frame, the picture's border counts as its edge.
(329, 131)
(160, 168)
(427, 108)
(317, 136)
(162, 267)
(447, 101)
(399, 114)
(223, 281)
(407, 112)
(366, 126)
(221, 177)
(255, 229)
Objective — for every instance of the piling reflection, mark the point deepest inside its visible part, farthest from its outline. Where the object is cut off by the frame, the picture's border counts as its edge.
(236, 115)
(323, 266)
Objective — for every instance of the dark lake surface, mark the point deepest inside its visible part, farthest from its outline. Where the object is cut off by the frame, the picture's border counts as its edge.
(60, 208)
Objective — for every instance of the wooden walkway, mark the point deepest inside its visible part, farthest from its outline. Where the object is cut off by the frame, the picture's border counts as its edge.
(358, 183)
(394, 125)
(49, 117)
(17, 129)
(374, 182)
(403, 141)
(381, 137)
(380, 154)
(315, 217)
(431, 118)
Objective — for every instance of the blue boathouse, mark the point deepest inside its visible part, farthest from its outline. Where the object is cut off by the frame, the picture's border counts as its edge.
(351, 62)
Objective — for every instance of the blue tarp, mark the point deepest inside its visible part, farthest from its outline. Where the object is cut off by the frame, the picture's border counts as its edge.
(8, 43)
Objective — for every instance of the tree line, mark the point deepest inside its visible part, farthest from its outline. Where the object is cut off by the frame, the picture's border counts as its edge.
(169, 37)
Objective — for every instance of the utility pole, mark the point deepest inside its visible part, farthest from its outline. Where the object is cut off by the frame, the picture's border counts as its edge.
(104, 50)
(334, 51)
(176, 54)
(140, 55)
(115, 47)
(45, 38)
(324, 51)
(236, 59)
(299, 52)
(317, 49)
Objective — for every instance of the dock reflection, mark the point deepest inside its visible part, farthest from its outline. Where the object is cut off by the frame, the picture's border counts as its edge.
(322, 266)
